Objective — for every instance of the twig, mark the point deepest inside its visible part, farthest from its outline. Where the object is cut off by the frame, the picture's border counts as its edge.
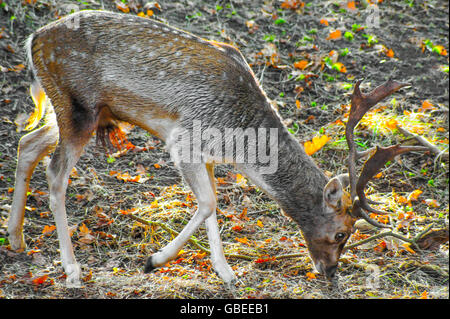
(391, 233)
(424, 142)
(168, 229)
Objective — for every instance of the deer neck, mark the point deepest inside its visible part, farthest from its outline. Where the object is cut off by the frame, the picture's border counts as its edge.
(297, 185)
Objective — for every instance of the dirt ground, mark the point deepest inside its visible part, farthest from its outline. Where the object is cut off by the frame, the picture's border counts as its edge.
(402, 40)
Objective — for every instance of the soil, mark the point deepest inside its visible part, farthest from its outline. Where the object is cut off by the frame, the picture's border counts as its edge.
(112, 247)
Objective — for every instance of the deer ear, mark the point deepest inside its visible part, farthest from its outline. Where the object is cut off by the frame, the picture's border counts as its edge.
(332, 193)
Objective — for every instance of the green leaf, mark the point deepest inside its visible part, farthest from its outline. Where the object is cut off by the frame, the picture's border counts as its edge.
(355, 27)
(110, 159)
(269, 37)
(280, 21)
(348, 35)
(344, 52)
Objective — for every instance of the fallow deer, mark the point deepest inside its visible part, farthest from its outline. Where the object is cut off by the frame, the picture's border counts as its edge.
(112, 67)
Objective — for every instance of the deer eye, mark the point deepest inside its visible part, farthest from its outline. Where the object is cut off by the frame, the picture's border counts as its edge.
(340, 237)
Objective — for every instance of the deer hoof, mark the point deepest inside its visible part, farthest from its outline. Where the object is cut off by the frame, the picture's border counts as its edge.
(73, 273)
(149, 265)
(17, 243)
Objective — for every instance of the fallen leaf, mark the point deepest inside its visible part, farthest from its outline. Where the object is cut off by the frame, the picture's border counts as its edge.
(122, 6)
(426, 105)
(310, 276)
(391, 124)
(237, 228)
(85, 235)
(338, 66)
(316, 144)
(243, 240)
(351, 5)
(335, 35)
(408, 248)
(48, 229)
(432, 203)
(301, 64)
(241, 180)
(389, 53)
(40, 280)
(324, 22)
(292, 4)
(414, 195)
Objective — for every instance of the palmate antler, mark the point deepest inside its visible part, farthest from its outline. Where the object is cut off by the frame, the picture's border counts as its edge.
(360, 104)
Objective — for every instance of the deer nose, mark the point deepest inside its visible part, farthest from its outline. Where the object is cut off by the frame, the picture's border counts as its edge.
(330, 271)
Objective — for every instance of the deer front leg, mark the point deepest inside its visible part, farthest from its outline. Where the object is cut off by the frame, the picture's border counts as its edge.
(218, 259)
(196, 175)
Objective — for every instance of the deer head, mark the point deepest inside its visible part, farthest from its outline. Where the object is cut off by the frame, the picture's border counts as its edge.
(328, 233)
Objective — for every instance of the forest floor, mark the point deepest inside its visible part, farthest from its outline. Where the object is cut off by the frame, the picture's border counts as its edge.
(308, 56)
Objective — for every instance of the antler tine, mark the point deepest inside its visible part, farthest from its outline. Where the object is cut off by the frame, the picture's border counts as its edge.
(381, 156)
(360, 104)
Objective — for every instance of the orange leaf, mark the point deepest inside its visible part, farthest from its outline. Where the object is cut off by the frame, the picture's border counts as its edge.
(391, 124)
(48, 229)
(84, 230)
(259, 223)
(379, 175)
(154, 204)
(432, 202)
(40, 280)
(324, 22)
(390, 53)
(237, 228)
(241, 181)
(298, 105)
(380, 247)
(334, 35)
(351, 5)
(301, 64)
(310, 276)
(122, 6)
(316, 144)
(414, 195)
(243, 240)
(340, 67)
(292, 4)
(426, 105)
(17, 68)
(407, 247)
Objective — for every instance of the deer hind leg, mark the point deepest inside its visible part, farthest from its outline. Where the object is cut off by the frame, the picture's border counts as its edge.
(32, 148)
(74, 135)
(218, 259)
(196, 175)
